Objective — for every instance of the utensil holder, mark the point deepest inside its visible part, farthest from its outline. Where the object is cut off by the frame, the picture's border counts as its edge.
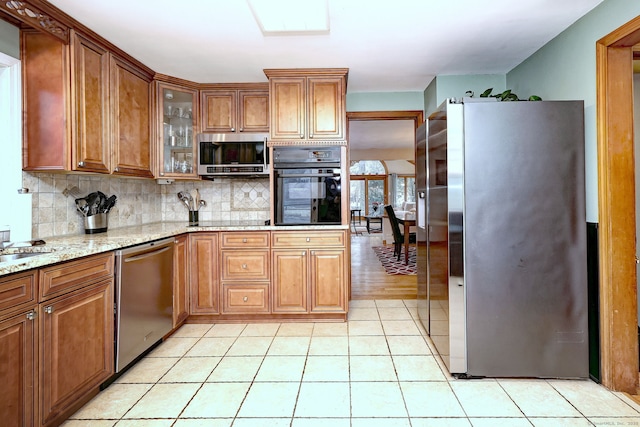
(97, 223)
(193, 217)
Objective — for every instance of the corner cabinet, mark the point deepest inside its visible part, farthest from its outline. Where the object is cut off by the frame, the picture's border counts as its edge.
(177, 112)
(233, 108)
(307, 104)
(86, 108)
(309, 272)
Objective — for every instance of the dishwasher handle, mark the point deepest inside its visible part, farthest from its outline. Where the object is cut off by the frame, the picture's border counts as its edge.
(146, 254)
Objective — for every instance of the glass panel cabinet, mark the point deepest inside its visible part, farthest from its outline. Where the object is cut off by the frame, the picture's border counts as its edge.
(177, 151)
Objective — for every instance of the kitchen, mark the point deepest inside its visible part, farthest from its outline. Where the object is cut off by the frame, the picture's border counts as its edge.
(132, 213)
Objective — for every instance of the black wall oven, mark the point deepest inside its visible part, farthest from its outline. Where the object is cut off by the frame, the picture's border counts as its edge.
(307, 185)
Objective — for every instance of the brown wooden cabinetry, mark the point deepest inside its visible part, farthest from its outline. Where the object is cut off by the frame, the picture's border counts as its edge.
(180, 280)
(245, 272)
(19, 349)
(204, 273)
(307, 104)
(235, 108)
(309, 272)
(86, 109)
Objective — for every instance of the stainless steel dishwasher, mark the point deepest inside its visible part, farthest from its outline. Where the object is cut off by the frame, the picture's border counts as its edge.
(144, 298)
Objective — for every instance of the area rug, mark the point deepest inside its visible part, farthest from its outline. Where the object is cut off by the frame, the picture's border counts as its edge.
(390, 262)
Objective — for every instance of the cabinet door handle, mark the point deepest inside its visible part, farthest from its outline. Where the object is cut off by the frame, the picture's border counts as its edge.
(31, 315)
(241, 130)
(116, 169)
(80, 164)
(245, 299)
(48, 309)
(304, 254)
(310, 135)
(244, 266)
(161, 173)
(308, 239)
(233, 129)
(244, 240)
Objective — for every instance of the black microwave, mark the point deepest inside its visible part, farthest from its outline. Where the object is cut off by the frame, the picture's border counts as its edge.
(228, 154)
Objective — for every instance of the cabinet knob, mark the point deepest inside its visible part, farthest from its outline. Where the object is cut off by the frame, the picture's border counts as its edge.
(244, 266)
(302, 136)
(48, 309)
(31, 315)
(244, 240)
(116, 169)
(310, 135)
(80, 164)
(245, 299)
(241, 129)
(161, 173)
(308, 239)
(313, 253)
(233, 129)
(304, 254)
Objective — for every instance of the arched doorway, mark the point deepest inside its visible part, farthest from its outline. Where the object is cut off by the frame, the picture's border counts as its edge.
(616, 204)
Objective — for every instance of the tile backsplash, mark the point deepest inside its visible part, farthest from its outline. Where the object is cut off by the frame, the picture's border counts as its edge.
(140, 201)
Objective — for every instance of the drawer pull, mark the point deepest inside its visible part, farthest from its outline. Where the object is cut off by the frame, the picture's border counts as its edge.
(31, 315)
(304, 253)
(308, 239)
(244, 266)
(244, 240)
(48, 309)
(245, 299)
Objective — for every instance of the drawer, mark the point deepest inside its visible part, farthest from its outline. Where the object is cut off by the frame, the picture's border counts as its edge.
(62, 278)
(253, 239)
(245, 298)
(18, 289)
(245, 265)
(312, 239)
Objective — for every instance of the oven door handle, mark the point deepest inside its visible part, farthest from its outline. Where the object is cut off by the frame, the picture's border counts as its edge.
(307, 175)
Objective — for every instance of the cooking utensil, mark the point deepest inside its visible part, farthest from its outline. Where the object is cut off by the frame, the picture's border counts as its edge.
(93, 200)
(202, 204)
(108, 204)
(82, 206)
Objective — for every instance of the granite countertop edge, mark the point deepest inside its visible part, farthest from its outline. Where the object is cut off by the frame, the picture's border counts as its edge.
(68, 247)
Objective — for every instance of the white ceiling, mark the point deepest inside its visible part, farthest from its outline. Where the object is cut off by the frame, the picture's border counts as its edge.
(388, 46)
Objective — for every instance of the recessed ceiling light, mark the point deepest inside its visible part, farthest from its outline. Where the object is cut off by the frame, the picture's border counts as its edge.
(291, 17)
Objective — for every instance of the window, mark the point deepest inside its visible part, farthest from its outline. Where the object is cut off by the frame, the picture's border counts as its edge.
(405, 190)
(368, 186)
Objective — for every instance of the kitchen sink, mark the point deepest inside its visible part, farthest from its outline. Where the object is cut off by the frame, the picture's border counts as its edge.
(13, 257)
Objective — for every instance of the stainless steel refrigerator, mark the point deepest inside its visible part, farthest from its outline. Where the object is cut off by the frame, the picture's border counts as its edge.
(502, 275)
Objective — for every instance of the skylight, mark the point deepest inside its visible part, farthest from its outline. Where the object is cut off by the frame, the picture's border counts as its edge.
(291, 17)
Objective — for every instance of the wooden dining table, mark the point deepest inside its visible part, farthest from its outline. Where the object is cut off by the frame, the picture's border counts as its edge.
(407, 223)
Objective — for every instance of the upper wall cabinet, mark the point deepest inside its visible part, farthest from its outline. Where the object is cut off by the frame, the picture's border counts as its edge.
(307, 104)
(230, 108)
(86, 109)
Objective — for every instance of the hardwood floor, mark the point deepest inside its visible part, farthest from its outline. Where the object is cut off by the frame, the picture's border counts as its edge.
(368, 278)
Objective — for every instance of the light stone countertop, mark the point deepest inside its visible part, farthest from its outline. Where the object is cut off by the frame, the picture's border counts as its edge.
(68, 247)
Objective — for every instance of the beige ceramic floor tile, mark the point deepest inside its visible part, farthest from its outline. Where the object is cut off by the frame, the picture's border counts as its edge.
(431, 399)
(538, 399)
(330, 330)
(408, 345)
(485, 399)
(146, 423)
(173, 347)
(418, 368)
(368, 346)
(372, 368)
(260, 330)
(149, 370)
(560, 422)
(164, 401)
(400, 327)
(410, 303)
(380, 422)
(204, 422)
(270, 400)
(226, 330)
(281, 368)
(329, 346)
(493, 422)
(193, 330)
(289, 346)
(262, 422)
(362, 303)
(295, 330)
(326, 368)
(390, 303)
(593, 400)
(392, 313)
(321, 422)
(365, 327)
(191, 370)
(113, 402)
(363, 314)
(236, 369)
(220, 400)
(211, 347)
(440, 422)
(323, 400)
(250, 346)
(377, 399)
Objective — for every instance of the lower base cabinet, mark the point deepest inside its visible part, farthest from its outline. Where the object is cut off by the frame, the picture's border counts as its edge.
(76, 348)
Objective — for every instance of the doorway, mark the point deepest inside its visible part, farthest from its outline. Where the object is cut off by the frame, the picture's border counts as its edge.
(616, 205)
(368, 278)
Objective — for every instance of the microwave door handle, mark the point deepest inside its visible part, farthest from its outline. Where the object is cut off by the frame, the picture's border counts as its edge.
(306, 175)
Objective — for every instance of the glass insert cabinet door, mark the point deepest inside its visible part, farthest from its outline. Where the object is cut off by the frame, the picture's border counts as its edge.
(177, 110)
